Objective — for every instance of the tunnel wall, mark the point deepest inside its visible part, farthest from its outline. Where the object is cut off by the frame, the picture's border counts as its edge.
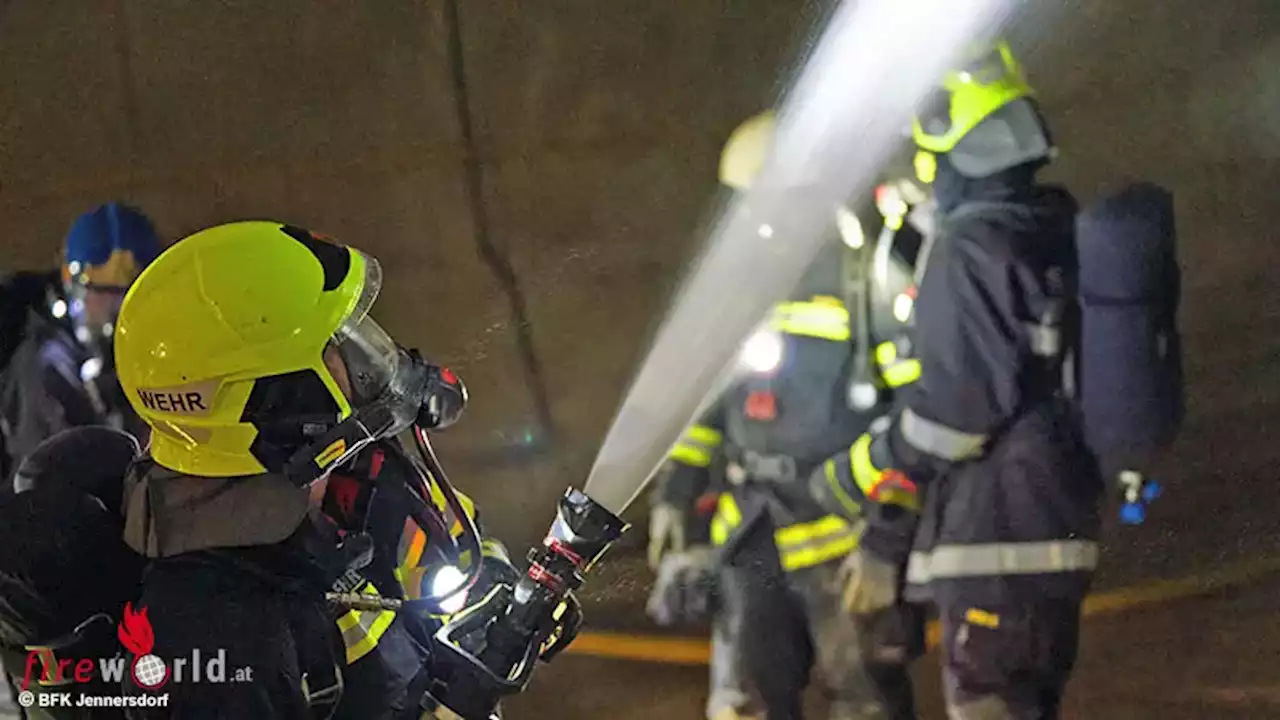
(597, 129)
(598, 126)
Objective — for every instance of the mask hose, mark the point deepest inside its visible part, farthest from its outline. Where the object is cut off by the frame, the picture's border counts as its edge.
(430, 467)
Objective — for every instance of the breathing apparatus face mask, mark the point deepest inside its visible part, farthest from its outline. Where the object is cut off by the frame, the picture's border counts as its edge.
(92, 310)
(390, 390)
(386, 385)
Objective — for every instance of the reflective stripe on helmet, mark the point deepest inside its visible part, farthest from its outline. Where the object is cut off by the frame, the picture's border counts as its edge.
(690, 455)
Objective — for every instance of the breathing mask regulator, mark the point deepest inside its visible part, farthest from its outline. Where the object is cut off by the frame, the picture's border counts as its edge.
(490, 648)
(392, 390)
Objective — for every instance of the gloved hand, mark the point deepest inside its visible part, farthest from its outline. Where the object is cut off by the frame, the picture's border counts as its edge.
(666, 532)
(568, 618)
(868, 583)
(852, 481)
(878, 483)
(686, 586)
(495, 569)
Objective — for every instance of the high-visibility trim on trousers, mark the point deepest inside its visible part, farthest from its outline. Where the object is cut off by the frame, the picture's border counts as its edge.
(996, 559)
(800, 545)
(808, 544)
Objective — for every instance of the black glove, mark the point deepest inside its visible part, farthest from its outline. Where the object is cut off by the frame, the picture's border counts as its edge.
(569, 617)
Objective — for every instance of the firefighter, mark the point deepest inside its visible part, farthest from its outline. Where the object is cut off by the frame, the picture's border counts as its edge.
(59, 603)
(385, 649)
(1006, 542)
(777, 553)
(61, 375)
(274, 479)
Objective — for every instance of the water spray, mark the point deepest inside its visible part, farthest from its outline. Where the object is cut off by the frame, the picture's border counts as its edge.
(873, 64)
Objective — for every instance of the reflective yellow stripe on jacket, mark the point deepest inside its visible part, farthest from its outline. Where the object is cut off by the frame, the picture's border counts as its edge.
(867, 477)
(697, 446)
(822, 317)
(895, 370)
(362, 629)
(800, 545)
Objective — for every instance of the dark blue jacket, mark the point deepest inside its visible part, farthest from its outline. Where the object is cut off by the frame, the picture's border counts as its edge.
(1011, 492)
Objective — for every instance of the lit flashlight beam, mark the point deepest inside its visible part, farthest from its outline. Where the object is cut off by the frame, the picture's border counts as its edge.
(874, 63)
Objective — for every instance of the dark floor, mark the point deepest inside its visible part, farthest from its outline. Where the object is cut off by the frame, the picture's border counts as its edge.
(1208, 658)
(1197, 659)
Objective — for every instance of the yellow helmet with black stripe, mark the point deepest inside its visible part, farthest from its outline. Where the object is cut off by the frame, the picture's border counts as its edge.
(236, 342)
(983, 117)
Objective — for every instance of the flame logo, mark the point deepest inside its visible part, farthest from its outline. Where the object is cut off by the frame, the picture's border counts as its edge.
(135, 631)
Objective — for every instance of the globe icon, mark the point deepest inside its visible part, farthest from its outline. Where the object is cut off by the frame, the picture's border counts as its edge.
(150, 672)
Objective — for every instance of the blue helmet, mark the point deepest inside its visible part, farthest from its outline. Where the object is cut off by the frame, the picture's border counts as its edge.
(108, 247)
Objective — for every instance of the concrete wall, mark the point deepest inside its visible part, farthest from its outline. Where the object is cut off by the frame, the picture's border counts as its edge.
(598, 131)
(1188, 95)
(598, 127)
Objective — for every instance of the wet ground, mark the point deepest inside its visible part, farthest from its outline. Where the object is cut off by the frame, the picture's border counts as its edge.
(1204, 658)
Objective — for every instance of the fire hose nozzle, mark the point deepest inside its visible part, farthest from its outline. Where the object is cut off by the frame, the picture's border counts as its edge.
(583, 529)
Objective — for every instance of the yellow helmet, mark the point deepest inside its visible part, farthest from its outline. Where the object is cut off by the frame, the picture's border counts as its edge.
(223, 340)
(989, 87)
(743, 155)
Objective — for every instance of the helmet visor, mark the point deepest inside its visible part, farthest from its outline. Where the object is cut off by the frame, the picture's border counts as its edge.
(368, 353)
